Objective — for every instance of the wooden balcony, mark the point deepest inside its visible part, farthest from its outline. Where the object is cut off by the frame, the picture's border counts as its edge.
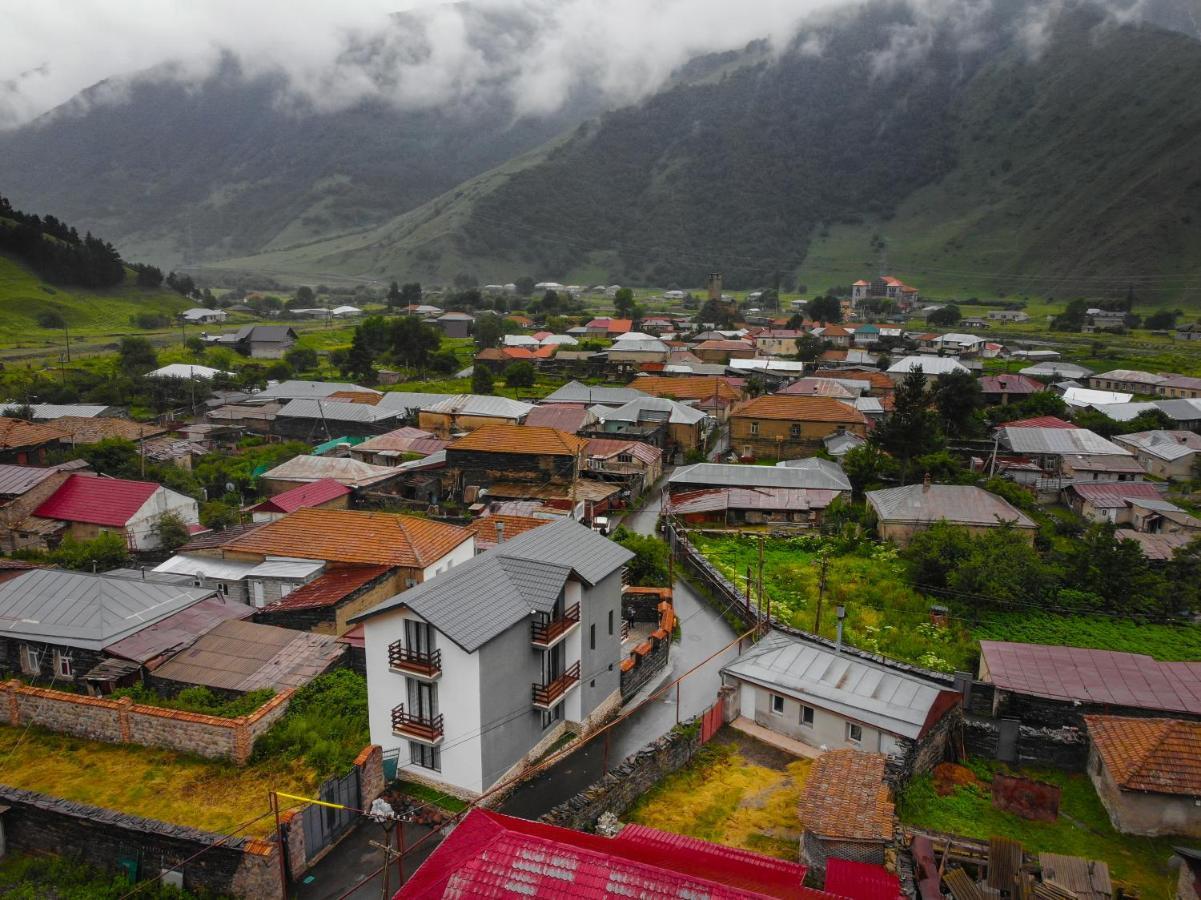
(426, 729)
(547, 695)
(423, 664)
(547, 634)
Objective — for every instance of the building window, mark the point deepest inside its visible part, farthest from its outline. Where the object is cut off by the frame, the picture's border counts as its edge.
(807, 716)
(794, 431)
(777, 705)
(62, 665)
(624, 458)
(256, 593)
(754, 428)
(551, 716)
(854, 733)
(31, 663)
(592, 636)
(285, 588)
(610, 622)
(426, 757)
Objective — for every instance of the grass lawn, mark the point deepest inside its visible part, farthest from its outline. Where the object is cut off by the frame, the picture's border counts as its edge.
(147, 781)
(884, 614)
(735, 791)
(426, 794)
(1083, 827)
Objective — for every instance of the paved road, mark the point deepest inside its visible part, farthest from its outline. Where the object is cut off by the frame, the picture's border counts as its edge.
(355, 858)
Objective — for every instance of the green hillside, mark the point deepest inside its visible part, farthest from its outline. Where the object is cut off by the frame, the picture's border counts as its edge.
(89, 313)
(981, 172)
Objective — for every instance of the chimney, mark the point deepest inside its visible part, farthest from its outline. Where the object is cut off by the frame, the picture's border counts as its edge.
(841, 612)
(926, 483)
(500, 531)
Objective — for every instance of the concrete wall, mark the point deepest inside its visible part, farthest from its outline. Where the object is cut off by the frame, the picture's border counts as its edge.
(599, 668)
(140, 529)
(1135, 812)
(125, 722)
(829, 729)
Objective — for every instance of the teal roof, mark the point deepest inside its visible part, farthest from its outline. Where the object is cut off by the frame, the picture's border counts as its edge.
(322, 449)
(867, 329)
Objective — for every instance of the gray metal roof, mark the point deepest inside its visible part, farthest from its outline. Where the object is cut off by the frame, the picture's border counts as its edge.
(338, 411)
(481, 405)
(893, 701)
(51, 411)
(1058, 441)
(958, 504)
(1181, 410)
(411, 400)
(345, 470)
(16, 480)
(193, 565)
(591, 394)
(87, 611)
(793, 473)
(286, 567)
(1166, 445)
(1056, 370)
(1123, 412)
(485, 596)
(927, 365)
(296, 389)
(677, 413)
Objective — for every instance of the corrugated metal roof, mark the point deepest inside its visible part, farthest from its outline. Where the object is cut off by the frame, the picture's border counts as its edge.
(482, 405)
(1132, 375)
(205, 566)
(16, 480)
(100, 501)
(765, 499)
(606, 448)
(185, 370)
(48, 412)
(351, 472)
(861, 881)
(285, 567)
(88, 611)
(1105, 677)
(1116, 494)
(1079, 396)
(1056, 370)
(178, 630)
(884, 698)
(337, 411)
(592, 394)
(411, 401)
(296, 389)
(780, 366)
(568, 417)
(313, 494)
(792, 473)
(1185, 410)
(329, 589)
(1057, 441)
(1156, 546)
(245, 656)
(927, 365)
(635, 411)
(958, 504)
(1165, 445)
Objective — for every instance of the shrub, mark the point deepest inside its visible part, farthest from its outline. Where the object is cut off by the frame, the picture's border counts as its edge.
(51, 320)
(325, 725)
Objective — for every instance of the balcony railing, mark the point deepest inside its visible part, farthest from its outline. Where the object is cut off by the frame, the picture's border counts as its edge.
(547, 695)
(546, 634)
(427, 664)
(420, 727)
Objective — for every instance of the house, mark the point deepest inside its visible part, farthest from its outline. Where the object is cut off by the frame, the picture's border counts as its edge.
(1176, 387)
(198, 315)
(1103, 320)
(636, 348)
(258, 341)
(466, 412)
(656, 420)
(778, 341)
(1156, 547)
(593, 395)
(455, 324)
(514, 453)
(846, 809)
(724, 350)
(878, 383)
(782, 426)
(1056, 370)
(901, 512)
(326, 603)
(1164, 454)
(398, 446)
(737, 494)
(1190, 331)
(59, 625)
(811, 474)
(1009, 315)
(186, 372)
(89, 506)
(866, 335)
(1129, 380)
(255, 418)
(521, 643)
(25, 443)
(1147, 773)
(1066, 683)
(712, 393)
(835, 335)
(569, 417)
(884, 287)
(352, 473)
(297, 389)
(48, 412)
(237, 657)
(636, 464)
(1001, 389)
(1100, 467)
(323, 494)
(489, 849)
(606, 326)
(309, 420)
(1048, 444)
(1111, 501)
(22, 490)
(933, 367)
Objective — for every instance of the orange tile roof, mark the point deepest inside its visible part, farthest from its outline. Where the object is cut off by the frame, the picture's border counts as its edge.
(1162, 756)
(799, 408)
(19, 433)
(485, 529)
(370, 398)
(846, 797)
(695, 387)
(520, 439)
(517, 352)
(834, 331)
(341, 535)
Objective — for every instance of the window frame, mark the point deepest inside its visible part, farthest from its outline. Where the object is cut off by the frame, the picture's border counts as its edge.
(776, 704)
(61, 657)
(852, 727)
(808, 716)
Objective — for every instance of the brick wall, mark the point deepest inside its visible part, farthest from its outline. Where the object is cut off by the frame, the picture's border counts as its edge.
(40, 824)
(123, 721)
(370, 763)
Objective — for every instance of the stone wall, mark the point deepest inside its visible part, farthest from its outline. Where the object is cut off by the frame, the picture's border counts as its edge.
(125, 722)
(370, 763)
(645, 667)
(636, 774)
(1065, 747)
(40, 824)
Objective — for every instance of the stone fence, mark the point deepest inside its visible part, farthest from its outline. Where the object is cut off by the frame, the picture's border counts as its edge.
(125, 722)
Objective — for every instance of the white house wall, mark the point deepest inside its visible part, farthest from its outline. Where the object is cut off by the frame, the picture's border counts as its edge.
(141, 526)
(455, 557)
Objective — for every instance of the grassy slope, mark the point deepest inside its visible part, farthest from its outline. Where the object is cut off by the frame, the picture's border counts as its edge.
(89, 313)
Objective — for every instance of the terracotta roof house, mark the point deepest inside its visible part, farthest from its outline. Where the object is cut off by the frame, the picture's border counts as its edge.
(880, 384)
(323, 494)
(489, 854)
(903, 511)
(89, 505)
(724, 350)
(846, 809)
(639, 465)
(714, 394)
(789, 426)
(565, 417)
(609, 326)
(326, 604)
(25, 443)
(1147, 773)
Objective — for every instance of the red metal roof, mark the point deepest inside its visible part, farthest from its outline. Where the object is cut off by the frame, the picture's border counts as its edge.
(492, 855)
(304, 496)
(1039, 422)
(100, 501)
(331, 588)
(861, 881)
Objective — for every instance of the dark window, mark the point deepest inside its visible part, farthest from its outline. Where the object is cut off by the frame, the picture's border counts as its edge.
(426, 757)
(794, 431)
(592, 637)
(610, 621)
(806, 715)
(777, 705)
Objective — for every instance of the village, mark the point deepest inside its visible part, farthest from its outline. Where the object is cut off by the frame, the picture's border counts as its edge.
(856, 596)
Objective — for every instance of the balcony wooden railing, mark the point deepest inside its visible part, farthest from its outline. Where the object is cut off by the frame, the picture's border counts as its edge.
(423, 728)
(419, 662)
(544, 634)
(547, 695)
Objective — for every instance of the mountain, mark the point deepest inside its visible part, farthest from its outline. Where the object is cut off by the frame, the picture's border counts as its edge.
(175, 172)
(979, 161)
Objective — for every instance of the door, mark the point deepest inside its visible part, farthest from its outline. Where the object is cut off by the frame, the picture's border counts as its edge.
(1007, 739)
(256, 593)
(423, 699)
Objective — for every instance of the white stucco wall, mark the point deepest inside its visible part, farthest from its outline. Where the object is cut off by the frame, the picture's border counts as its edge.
(457, 556)
(140, 527)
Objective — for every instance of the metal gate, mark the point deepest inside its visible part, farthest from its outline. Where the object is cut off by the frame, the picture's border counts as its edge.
(323, 824)
(1007, 739)
(711, 721)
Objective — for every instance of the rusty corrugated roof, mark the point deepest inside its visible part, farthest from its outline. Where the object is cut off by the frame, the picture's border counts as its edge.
(520, 439)
(796, 408)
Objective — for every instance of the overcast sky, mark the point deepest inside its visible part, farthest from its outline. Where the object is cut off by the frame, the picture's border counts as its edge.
(52, 49)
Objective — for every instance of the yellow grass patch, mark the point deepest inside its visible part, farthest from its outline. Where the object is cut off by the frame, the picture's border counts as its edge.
(721, 796)
(146, 781)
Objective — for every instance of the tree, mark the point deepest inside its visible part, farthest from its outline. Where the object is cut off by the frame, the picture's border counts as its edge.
(1001, 565)
(182, 284)
(195, 346)
(1162, 319)
(1072, 318)
(444, 362)
(410, 294)
(809, 347)
(136, 355)
(18, 411)
(1042, 403)
(1148, 420)
(948, 315)
(649, 567)
(912, 428)
(958, 397)
(51, 319)
(360, 361)
(413, 341)
(393, 299)
(488, 331)
(718, 313)
(824, 309)
(520, 374)
(481, 380)
(377, 334)
(934, 552)
(302, 359)
(550, 302)
(623, 302)
(171, 531)
(104, 552)
(524, 285)
(219, 515)
(1099, 422)
(1111, 573)
(867, 466)
(304, 296)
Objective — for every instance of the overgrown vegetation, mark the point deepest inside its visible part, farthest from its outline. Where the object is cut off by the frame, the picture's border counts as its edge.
(61, 878)
(325, 726)
(649, 567)
(199, 699)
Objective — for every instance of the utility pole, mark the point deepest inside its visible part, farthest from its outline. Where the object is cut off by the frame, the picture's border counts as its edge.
(67, 337)
(761, 599)
(821, 593)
